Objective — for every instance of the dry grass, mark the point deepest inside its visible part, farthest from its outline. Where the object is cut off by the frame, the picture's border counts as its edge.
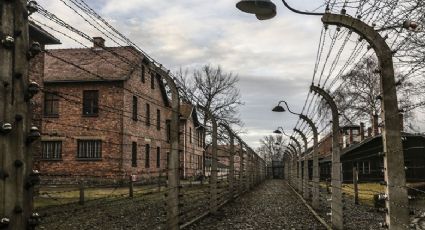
(366, 191)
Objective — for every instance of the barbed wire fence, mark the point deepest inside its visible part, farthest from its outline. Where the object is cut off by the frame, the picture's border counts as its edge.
(107, 197)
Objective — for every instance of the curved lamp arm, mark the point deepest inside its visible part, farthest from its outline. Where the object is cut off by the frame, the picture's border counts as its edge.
(280, 130)
(287, 107)
(302, 12)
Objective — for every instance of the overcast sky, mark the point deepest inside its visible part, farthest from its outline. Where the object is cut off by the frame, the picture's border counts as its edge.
(274, 59)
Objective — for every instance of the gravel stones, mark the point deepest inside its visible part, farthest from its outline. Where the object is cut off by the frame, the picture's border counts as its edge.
(272, 205)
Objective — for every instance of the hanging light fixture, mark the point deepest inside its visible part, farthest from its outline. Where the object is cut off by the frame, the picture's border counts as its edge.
(263, 9)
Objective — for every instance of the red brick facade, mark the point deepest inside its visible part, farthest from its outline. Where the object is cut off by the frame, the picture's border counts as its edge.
(126, 133)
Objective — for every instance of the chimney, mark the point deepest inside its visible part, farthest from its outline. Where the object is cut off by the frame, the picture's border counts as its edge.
(351, 136)
(98, 42)
(369, 132)
(361, 131)
(375, 125)
(401, 117)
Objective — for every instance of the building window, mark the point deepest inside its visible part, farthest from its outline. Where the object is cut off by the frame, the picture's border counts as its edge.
(134, 108)
(90, 102)
(158, 119)
(199, 162)
(152, 82)
(148, 115)
(134, 154)
(200, 138)
(89, 149)
(142, 76)
(190, 135)
(52, 150)
(158, 157)
(51, 105)
(147, 156)
(168, 125)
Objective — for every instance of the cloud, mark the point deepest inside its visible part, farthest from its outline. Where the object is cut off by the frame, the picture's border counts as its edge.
(274, 59)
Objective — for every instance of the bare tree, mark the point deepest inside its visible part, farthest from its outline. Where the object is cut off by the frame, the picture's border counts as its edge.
(358, 97)
(271, 148)
(214, 89)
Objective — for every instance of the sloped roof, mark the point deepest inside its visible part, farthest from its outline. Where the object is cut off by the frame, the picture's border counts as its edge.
(112, 64)
(37, 33)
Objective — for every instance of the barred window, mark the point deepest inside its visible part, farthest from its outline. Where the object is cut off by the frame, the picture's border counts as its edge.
(190, 135)
(52, 150)
(135, 108)
(90, 102)
(89, 149)
(158, 157)
(51, 105)
(152, 82)
(143, 74)
(134, 154)
(168, 125)
(148, 115)
(158, 119)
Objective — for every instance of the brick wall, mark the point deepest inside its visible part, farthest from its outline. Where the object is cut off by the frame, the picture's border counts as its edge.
(71, 126)
(141, 133)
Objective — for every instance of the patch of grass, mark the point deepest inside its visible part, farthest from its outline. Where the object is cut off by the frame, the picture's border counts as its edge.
(366, 191)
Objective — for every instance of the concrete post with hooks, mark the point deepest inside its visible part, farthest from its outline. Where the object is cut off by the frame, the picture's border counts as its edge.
(299, 166)
(397, 216)
(336, 180)
(293, 161)
(305, 189)
(316, 179)
(17, 178)
(231, 160)
(174, 160)
(241, 165)
(214, 171)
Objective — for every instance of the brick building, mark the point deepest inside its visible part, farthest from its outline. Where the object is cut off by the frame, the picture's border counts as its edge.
(106, 114)
(191, 142)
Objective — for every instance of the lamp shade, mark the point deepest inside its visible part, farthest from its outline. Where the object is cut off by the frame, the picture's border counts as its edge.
(277, 131)
(265, 16)
(263, 9)
(278, 108)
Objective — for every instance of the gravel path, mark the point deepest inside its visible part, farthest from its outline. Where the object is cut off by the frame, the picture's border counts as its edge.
(272, 205)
